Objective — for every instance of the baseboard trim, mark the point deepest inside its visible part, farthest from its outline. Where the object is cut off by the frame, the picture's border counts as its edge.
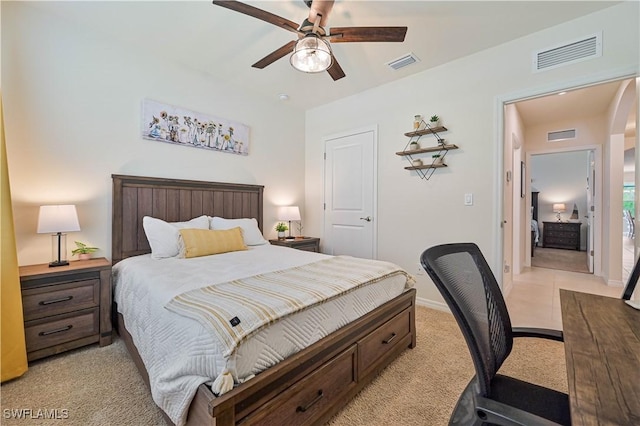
(440, 306)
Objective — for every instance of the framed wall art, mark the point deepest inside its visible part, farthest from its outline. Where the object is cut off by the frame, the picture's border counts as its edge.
(171, 124)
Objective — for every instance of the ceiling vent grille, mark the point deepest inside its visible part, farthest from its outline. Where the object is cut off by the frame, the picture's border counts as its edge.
(575, 51)
(561, 135)
(403, 61)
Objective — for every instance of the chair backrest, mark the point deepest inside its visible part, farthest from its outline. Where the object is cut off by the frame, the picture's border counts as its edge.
(463, 277)
(632, 281)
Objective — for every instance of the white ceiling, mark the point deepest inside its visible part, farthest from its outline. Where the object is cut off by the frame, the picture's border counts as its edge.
(573, 104)
(223, 43)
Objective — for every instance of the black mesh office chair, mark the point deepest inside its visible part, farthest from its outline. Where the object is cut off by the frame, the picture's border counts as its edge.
(632, 281)
(467, 284)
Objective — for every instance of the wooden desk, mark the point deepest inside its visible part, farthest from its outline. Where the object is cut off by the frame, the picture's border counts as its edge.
(602, 349)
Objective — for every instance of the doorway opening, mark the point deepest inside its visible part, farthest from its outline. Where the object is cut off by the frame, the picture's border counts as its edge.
(589, 116)
(561, 201)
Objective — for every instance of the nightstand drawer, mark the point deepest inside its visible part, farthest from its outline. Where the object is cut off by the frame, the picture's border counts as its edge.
(53, 300)
(307, 246)
(62, 328)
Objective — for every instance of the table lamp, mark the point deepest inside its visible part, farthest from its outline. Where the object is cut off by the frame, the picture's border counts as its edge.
(289, 213)
(559, 208)
(56, 220)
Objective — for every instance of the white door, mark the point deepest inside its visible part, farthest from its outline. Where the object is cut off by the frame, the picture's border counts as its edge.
(350, 185)
(591, 199)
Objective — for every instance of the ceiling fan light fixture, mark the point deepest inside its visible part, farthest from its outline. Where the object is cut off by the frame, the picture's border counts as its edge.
(311, 54)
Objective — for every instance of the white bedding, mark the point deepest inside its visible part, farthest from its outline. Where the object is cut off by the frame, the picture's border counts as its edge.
(536, 231)
(179, 353)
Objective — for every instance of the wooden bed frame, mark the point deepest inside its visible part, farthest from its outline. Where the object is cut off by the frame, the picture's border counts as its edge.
(308, 387)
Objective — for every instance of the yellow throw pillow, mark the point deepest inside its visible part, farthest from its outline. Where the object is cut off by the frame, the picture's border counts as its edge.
(203, 242)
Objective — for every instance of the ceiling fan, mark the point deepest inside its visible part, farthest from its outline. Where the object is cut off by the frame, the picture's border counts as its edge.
(312, 52)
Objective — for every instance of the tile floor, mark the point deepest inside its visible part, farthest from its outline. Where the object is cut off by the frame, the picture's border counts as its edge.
(534, 300)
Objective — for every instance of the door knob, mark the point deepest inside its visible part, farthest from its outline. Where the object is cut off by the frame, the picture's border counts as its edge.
(368, 218)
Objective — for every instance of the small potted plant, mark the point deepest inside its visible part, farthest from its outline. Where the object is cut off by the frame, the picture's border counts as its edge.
(434, 121)
(414, 145)
(437, 159)
(83, 251)
(281, 227)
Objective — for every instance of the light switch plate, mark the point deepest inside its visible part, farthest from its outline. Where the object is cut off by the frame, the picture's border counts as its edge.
(468, 199)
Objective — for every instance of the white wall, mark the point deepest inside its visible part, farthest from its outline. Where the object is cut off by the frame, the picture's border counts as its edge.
(414, 214)
(72, 113)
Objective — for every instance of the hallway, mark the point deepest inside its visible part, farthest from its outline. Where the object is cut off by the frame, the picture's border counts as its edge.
(534, 300)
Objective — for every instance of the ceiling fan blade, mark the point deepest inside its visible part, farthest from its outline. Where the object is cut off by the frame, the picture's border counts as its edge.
(358, 34)
(275, 55)
(258, 13)
(335, 70)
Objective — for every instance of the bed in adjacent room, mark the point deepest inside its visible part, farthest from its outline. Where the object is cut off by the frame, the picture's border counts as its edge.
(172, 308)
(535, 227)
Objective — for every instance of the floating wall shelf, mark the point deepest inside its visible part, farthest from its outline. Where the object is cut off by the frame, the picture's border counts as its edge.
(436, 163)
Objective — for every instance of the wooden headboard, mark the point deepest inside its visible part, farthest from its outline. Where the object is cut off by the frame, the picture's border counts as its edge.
(173, 200)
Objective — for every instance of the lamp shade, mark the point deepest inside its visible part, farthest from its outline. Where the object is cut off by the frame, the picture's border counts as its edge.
(61, 218)
(289, 213)
(311, 54)
(559, 208)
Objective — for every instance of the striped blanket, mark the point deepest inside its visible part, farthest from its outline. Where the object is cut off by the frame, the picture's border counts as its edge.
(236, 309)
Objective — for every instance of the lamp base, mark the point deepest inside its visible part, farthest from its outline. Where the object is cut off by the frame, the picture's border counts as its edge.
(58, 263)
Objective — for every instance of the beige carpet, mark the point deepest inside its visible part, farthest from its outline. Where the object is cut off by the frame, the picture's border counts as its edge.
(565, 260)
(101, 386)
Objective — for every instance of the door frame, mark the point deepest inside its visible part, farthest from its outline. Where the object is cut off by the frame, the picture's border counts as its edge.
(500, 102)
(356, 131)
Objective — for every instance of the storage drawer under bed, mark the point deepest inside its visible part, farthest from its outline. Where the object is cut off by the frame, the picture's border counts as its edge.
(383, 340)
(312, 395)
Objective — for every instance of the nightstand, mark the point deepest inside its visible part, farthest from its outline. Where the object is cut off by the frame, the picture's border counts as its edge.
(306, 243)
(66, 307)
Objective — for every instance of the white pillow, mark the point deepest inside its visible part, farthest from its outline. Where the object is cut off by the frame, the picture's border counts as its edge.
(164, 236)
(250, 231)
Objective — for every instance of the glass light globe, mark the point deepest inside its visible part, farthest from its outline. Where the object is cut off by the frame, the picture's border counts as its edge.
(311, 54)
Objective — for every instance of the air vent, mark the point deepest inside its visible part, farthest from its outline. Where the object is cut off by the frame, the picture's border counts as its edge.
(576, 51)
(403, 61)
(561, 135)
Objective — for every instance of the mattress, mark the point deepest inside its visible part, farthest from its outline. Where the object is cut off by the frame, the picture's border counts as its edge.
(179, 353)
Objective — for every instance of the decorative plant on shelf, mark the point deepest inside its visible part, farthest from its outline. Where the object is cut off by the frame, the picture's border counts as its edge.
(414, 145)
(83, 251)
(436, 159)
(433, 121)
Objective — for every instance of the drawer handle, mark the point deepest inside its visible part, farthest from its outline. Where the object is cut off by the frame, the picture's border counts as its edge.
(390, 339)
(57, 330)
(52, 301)
(302, 409)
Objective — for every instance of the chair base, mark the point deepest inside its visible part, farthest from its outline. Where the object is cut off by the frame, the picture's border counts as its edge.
(512, 402)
